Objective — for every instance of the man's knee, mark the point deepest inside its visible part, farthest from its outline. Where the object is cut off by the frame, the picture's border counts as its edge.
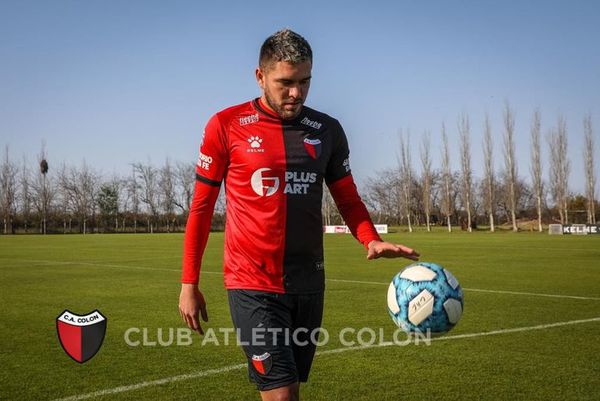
(286, 393)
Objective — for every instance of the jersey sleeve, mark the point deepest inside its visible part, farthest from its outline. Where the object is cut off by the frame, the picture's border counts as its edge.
(213, 157)
(353, 210)
(343, 190)
(339, 163)
(197, 229)
(210, 170)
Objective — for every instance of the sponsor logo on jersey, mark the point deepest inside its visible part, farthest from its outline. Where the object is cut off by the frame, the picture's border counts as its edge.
(204, 161)
(296, 182)
(255, 143)
(251, 119)
(346, 164)
(313, 147)
(81, 336)
(311, 123)
(264, 185)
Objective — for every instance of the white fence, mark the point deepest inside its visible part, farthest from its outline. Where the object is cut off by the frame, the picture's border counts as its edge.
(381, 229)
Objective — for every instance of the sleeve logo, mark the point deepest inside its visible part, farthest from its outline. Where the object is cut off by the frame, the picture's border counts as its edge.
(346, 164)
(204, 161)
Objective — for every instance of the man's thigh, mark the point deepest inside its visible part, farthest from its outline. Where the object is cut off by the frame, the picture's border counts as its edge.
(274, 330)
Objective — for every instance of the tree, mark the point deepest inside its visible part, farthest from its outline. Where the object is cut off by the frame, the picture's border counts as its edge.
(80, 187)
(536, 167)
(185, 178)
(510, 164)
(25, 195)
(132, 198)
(426, 177)
(148, 178)
(559, 168)
(166, 185)
(65, 205)
(465, 164)
(406, 178)
(488, 181)
(447, 204)
(108, 202)
(590, 177)
(8, 192)
(384, 194)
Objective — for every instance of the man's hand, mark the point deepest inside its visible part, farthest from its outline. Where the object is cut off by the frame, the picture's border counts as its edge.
(380, 249)
(191, 304)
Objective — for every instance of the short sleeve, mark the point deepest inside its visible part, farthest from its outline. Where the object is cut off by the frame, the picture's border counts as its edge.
(339, 163)
(213, 157)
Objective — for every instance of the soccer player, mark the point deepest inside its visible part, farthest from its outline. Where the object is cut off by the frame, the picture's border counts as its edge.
(273, 153)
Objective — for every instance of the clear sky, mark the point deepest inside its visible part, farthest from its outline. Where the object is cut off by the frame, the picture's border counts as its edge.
(114, 82)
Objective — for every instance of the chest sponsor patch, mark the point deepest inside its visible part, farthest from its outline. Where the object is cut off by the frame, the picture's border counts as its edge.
(313, 147)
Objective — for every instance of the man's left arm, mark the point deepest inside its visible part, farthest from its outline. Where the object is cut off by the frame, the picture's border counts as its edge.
(356, 216)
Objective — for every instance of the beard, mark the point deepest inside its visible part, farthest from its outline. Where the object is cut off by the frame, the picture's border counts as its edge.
(281, 110)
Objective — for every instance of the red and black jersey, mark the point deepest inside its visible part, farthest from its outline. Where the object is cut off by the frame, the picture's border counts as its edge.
(273, 171)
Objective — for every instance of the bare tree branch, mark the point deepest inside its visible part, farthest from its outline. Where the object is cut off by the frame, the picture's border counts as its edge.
(590, 177)
(488, 182)
(536, 166)
(426, 177)
(510, 164)
(465, 163)
(447, 204)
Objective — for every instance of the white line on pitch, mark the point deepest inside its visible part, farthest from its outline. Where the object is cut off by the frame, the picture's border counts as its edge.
(122, 389)
(212, 372)
(51, 262)
(532, 294)
(47, 262)
(535, 294)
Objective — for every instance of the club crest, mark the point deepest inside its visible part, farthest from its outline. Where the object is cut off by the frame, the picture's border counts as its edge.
(262, 363)
(81, 336)
(313, 147)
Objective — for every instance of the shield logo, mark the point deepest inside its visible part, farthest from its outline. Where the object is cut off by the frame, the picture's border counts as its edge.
(81, 336)
(313, 147)
(262, 363)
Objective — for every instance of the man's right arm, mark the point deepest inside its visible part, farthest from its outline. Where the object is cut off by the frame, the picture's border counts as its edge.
(197, 230)
(210, 170)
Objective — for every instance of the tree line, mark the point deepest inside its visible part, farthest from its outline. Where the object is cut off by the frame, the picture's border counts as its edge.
(80, 199)
(400, 196)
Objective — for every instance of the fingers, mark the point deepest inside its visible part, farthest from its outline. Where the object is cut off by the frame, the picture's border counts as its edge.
(388, 250)
(409, 253)
(191, 306)
(191, 320)
(203, 312)
(196, 324)
(372, 254)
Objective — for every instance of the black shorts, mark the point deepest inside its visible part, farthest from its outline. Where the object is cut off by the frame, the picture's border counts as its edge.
(278, 333)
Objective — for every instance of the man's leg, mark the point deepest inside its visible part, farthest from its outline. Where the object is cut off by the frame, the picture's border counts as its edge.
(264, 323)
(308, 315)
(287, 393)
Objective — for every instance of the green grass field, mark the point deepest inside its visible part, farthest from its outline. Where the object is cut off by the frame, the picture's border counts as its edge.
(530, 329)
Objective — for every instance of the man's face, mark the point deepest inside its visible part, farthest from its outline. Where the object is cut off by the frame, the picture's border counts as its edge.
(285, 86)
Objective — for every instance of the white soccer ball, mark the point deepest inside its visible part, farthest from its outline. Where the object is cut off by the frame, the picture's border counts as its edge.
(425, 297)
